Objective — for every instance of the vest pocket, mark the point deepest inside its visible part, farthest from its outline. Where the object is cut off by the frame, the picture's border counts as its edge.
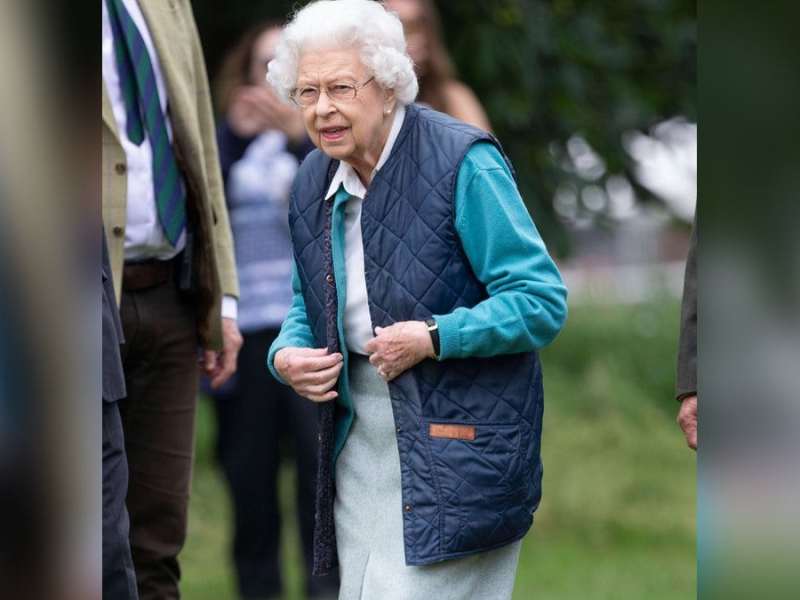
(481, 483)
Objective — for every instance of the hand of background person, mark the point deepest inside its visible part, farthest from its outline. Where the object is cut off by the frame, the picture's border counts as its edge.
(219, 366)
(397, 348)
(312, 372)
(255, 109)
(687, 419)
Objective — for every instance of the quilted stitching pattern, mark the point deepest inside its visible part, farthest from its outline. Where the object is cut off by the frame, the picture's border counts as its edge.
(460, 496)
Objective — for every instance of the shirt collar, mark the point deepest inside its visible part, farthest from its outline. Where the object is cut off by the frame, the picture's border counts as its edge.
(346, 175)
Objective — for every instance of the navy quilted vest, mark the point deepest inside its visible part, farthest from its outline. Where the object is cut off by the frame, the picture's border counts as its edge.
(459, 496)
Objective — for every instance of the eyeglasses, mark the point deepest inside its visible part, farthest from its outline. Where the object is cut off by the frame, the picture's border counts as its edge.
(340, 91)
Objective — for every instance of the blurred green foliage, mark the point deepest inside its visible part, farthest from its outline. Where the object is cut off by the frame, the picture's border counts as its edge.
(545, 70)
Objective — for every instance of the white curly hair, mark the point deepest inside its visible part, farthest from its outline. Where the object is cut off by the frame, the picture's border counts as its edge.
(362, 24)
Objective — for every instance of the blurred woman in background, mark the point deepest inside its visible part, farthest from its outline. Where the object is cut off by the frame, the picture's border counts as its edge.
(438, 86)
(261, 143)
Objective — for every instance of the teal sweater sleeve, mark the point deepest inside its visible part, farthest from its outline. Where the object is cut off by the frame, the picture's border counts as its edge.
(527, 303)
(295, 330)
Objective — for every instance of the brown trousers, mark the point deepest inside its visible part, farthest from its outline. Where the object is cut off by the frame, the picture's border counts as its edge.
(158, 417)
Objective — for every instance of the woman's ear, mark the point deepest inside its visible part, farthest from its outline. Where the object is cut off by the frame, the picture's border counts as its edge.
(389, 102)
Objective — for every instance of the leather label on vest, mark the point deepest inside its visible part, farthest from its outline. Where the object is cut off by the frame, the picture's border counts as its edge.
(453, 432)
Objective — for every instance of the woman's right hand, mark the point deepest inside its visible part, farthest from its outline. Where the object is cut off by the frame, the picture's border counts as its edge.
(311, 372)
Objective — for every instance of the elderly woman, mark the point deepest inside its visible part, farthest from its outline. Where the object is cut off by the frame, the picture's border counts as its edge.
(422, 292)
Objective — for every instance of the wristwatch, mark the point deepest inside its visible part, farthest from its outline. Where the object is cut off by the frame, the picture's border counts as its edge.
(433, 329)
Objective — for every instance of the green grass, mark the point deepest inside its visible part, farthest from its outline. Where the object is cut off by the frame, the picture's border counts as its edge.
(617, 515)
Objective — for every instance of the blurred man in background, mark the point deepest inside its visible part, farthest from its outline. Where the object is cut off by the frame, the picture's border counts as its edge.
(171, 259)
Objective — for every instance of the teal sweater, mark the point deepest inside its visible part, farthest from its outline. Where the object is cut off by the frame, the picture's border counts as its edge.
(527, 303)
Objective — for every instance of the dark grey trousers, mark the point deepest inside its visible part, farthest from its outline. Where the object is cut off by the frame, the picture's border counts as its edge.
(119, 578)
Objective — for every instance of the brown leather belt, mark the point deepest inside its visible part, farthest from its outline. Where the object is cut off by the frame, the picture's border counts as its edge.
(147, 274)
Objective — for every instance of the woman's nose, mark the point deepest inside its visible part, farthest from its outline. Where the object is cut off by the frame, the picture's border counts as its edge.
(324, 105)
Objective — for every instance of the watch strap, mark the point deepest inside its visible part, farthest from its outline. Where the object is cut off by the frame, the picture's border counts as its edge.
(433, 329)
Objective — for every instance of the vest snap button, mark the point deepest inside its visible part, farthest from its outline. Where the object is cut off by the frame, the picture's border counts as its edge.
(407, 508)
(329, 278)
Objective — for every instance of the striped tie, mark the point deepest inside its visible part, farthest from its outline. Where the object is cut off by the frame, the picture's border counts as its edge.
(143, 108)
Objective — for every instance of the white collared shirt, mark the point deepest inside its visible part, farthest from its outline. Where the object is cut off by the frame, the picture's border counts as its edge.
(357, 321)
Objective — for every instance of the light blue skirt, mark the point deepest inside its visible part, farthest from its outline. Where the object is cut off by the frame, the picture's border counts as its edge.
(369, 516)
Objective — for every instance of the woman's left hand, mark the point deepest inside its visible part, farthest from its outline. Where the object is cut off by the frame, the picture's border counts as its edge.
(397, 348)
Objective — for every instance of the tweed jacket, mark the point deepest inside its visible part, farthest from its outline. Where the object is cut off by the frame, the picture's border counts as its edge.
(174, 33)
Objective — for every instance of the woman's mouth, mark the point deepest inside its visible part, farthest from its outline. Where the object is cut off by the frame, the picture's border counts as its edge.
(332, 134)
